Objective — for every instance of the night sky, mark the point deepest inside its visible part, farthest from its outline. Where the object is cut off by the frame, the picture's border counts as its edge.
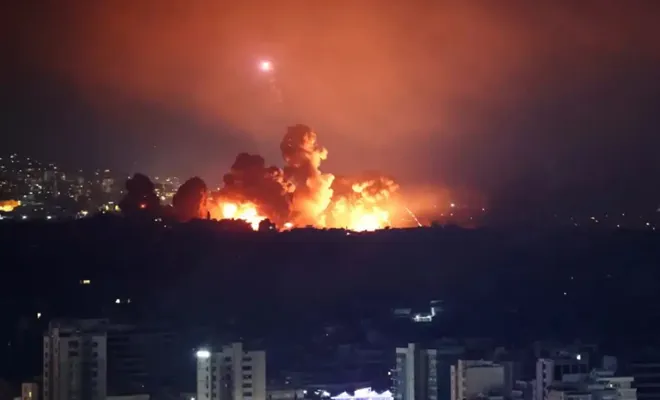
(556, 98)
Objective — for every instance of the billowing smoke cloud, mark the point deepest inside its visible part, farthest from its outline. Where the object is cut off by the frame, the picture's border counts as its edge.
(190, 201)
(370, 184)
(362, 201)
(303, 155)
(301, 194)
(140, 197)
(249, 180)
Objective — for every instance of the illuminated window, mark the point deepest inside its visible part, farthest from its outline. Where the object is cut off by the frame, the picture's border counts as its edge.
(85, 282)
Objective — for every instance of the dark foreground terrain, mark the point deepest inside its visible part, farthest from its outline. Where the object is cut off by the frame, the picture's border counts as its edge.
(183, 271)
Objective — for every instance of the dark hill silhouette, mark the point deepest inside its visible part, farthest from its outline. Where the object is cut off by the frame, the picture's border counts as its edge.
(174, 269)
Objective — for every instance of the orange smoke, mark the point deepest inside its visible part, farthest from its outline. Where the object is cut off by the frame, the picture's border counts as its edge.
(9, 205)
(303, 156)
(300, 194)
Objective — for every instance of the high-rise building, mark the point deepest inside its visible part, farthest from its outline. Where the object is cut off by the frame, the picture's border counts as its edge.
(231, 374)
(647, 376)
(448, 354)
(471, 379)
(137, 363)
(415, 375)
(74, 360)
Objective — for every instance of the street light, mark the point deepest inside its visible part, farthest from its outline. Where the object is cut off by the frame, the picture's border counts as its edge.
(203, 354)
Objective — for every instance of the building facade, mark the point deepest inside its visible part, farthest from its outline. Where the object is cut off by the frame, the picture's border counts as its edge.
(231, 374)
(74, 360)
(647, 377)
(29, 391)
(137, 363)
(523, 390)
(415, 376)
(471, 379)
(551, 370)
(598, 385)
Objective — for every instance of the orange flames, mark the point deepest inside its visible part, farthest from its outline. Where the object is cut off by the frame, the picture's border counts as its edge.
(360, 220)
(301, 194)
(354, 216)
(237, 211)
(365, 206)
(9, 205)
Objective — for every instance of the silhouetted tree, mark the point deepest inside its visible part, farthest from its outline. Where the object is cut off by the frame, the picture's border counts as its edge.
(168, 213)
(267, 226)
(235, 225)
(140, 197)
(190, 201)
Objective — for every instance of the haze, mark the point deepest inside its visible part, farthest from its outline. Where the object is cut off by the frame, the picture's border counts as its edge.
(478, 94)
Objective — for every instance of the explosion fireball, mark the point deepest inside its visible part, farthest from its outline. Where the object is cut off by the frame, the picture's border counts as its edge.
(245, 211)
(300, 194)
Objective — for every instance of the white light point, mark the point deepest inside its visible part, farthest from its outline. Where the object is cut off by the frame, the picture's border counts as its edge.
(266, 66)
(203, 354)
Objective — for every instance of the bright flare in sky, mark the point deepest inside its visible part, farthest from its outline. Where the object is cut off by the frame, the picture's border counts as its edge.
(266, 66)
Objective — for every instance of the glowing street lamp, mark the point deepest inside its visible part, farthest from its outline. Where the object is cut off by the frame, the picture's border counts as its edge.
(203, 354)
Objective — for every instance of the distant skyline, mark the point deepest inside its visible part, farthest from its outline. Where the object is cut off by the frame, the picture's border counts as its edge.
(532, 102)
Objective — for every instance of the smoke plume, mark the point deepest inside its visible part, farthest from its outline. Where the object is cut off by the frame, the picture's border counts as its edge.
(190, 201)
(250, 181)
(303, 155)
(140, 196)
(301, 194)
